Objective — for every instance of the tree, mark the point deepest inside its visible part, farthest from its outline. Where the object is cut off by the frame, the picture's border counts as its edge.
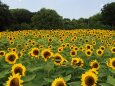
(5, 16)
(108, 14)
(21, 16)
(47, 19)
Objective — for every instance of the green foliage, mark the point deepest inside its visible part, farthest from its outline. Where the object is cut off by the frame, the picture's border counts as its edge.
(108, 14)
(5, 16)
(47, 19)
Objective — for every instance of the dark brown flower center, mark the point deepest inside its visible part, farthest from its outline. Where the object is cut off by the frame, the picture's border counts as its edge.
(11, 57)
(88, 52)
(89, 81)
(1, 53)
(99, 52)
(113, 49)
(35, 52)
(95, 65)
(18, 70)
(72, 53)
(113, 63)
(14, 82)
(57, 59)
(47, 54)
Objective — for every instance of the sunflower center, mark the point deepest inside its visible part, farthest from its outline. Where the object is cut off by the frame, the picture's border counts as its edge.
(74, 62)
(57, 58)
(88, 47)
(113, 63)
(11, 57)
(18, 70)
(73, 53)
(2, 53)
(95, 65)
(35, 52)
(88, 52)
(89, 81)
(79, 63)
(47, 54)
(99, 52)
(60, 83)
(113, 50)
(14, 82)
(102, 48)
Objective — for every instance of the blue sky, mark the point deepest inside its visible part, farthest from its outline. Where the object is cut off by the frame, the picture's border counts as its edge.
(66, 8)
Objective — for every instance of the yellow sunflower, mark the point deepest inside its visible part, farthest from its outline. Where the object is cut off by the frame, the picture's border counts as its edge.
(59, 82)
(18, 68)
(94, 64)
(58, 59)
(99, 52)
(113, 49)
(73, 53)
(88, 52)
(14, 81)
(60, 49)
(89, 79)
(75, 62)
(46, 54)
(102, 47)
(111, 63)
(34, 52)
(2, 53)
(11, 57)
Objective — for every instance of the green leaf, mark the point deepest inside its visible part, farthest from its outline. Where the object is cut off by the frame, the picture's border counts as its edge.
(77, 83)
(111, 80)
(48, 79)
(113, 71)
(32, 69)
(4, 73)
(29, 77)
(67, 78)
(105, 84)
(30, 84)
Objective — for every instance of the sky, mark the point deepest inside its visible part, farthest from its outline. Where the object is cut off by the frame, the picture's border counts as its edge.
(73, 9)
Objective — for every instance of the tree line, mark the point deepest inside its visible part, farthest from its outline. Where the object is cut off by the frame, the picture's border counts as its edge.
(22, 19)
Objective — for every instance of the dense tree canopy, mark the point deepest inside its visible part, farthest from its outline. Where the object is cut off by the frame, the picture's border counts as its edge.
(20, 19)
(5, 16)
(21, 15)
(108, 14)
(47, 19)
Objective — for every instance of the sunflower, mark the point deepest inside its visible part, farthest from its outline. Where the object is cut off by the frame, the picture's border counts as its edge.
(88, 52)
(113, 49)
(111, 63)
(18, 68)
(94, 64)
(88, 46)
(14, 81)
(60, 49)
(73, 53)
(89, 79)
(64, 62)
(102, 47)
(46, 54)
(75, 62)
(99, 52)
(2, 53)
(34, 52)
(59, 82)
(93, 70)
(58, 59)
(11, 57)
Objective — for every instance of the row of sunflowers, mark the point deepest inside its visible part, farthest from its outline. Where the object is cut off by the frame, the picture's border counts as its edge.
(57, 58)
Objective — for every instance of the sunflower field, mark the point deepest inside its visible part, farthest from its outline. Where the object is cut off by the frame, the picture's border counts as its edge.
(57, 58)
